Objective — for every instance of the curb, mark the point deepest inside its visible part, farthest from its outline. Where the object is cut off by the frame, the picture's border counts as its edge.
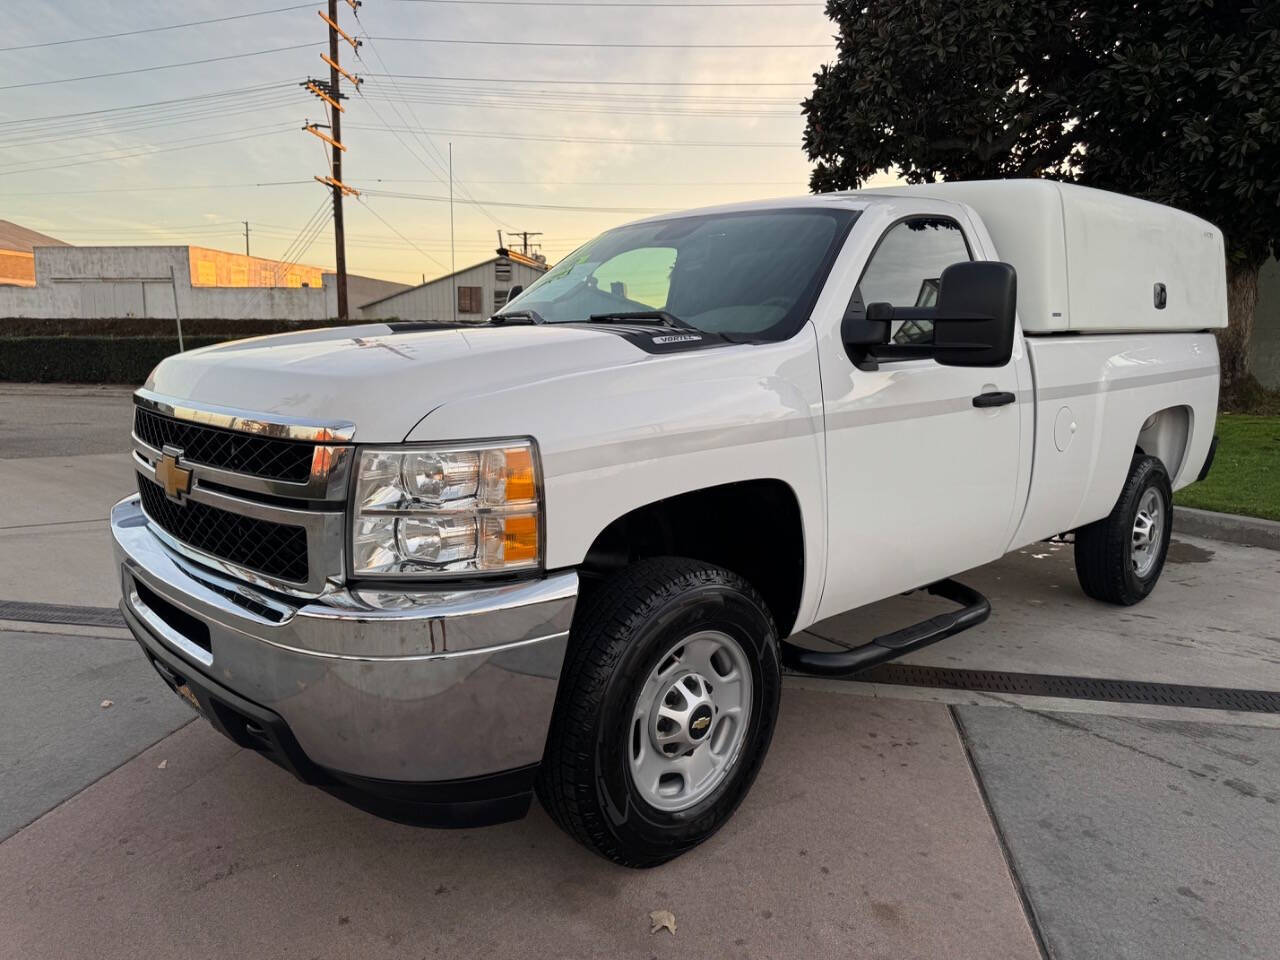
(1250, 531)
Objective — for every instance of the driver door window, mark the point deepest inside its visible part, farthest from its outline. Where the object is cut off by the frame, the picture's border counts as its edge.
(905, 268)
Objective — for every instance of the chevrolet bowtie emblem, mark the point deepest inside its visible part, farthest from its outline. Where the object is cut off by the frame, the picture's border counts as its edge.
(176, 480)
(701, 723)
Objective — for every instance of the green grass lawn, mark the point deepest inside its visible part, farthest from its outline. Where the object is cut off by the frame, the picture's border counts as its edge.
(1246, 473)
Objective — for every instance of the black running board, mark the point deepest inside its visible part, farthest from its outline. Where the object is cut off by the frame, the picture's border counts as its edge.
(975, 608)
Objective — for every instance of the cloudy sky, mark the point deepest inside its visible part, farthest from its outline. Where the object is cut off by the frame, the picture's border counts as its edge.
(630, 132)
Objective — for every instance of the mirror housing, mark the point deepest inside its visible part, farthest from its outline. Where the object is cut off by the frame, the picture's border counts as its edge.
(515, 292)
(863, 328)
(976, 314)
(973, 320)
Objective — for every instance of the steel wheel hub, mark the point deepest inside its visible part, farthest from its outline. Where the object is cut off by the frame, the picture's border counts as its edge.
(1148, 532)
(690, 720)
(683, 715)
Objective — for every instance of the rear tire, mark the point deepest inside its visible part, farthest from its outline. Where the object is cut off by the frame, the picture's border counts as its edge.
(1120, 557)
(675, 662)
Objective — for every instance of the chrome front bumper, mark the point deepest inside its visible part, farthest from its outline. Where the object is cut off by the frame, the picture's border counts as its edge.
(417, 687)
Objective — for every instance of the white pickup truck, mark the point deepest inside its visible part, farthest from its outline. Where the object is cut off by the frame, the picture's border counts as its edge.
(436, 570)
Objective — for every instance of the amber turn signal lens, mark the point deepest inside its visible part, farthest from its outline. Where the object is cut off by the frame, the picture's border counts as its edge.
(520, 480)
(520, 539)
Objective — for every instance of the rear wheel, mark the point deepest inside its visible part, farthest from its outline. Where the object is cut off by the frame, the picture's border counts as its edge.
(1120, 557)
(665, 712)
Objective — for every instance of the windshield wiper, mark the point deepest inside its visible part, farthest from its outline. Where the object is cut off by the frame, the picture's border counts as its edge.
(525, 316)
(652, 316)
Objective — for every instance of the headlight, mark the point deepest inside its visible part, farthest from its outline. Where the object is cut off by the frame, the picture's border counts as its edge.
(447, 509)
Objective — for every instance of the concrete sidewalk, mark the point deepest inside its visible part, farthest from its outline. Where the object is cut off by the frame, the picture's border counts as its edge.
(64, 460)
(865, 835)
(1213, 619)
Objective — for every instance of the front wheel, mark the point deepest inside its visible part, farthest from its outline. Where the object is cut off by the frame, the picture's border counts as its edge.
(665, 711)
(1119, 558)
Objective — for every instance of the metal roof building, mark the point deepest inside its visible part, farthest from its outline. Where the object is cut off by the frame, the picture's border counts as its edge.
(475, 292)
(17, 253)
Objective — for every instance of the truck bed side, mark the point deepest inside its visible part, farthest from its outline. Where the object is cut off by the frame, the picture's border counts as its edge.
(1097, 399)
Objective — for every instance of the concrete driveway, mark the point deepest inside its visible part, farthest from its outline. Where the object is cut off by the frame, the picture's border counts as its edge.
(889, 820)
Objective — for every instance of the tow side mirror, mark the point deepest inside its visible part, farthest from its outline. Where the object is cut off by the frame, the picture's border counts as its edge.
(866, 328)
(863, 328)
(975, 315)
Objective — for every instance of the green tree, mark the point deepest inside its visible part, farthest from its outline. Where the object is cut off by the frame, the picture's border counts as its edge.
(1177, 101)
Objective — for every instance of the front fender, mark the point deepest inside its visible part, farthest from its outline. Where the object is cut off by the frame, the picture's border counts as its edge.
(617, 439)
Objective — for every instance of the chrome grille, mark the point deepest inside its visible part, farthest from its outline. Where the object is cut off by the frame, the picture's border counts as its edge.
(258, 497)
(274, 549)
(272, 459)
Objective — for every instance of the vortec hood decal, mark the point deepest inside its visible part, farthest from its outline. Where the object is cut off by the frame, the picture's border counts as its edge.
(657, 339)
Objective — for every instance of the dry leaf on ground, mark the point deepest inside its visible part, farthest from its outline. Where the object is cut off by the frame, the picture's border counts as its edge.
(662, 919)
(162, 764)
(105, 704)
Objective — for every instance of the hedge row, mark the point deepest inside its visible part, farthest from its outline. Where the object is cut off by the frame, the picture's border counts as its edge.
(89, 359)
(117, 351)
(150, 327)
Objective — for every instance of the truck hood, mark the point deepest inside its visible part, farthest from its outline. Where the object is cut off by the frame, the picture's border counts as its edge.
(382, 378)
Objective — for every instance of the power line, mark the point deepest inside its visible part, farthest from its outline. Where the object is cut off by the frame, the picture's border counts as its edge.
(626, 4)
(607, 46)
(97, 127)
(659, 97)
(619, 183)
(296, 250)
(171, 26)
(518, 102)
(597, 82)
(45, 165)
(161, 66)
(498, 135)
(525, 91)
(102, 154)
(233, 92)
(248, 184)
(523, 206)
(364, 203)
(156, 188)
(167, 228)
(461, 187)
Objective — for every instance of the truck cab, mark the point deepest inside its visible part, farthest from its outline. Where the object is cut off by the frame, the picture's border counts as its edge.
(436, 570)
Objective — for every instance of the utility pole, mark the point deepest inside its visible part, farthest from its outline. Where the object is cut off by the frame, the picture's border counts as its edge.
(246, 237)
(332, 95)
(524, 236)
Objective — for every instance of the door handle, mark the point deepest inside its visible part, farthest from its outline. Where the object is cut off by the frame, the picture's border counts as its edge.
(996, 398)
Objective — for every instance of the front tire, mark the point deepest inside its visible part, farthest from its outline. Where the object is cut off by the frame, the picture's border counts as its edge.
(665, 711)
(1120, 557)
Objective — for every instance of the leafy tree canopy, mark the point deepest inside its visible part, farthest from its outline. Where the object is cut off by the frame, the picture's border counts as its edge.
(1177, 101)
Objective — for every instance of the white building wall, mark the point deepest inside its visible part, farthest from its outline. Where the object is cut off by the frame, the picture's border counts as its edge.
(434, 301)
(107, 282)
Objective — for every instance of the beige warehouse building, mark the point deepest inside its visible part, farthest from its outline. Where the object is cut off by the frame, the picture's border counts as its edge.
(474, 292)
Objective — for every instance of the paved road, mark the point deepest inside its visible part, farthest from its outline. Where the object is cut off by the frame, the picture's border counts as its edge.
(887, 822)
(1138, 837)
(55, 420)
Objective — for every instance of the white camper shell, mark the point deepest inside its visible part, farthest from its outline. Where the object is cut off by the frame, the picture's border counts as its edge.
(1090, 261)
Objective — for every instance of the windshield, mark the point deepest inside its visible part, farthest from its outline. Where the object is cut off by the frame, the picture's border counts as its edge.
(744, 274)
